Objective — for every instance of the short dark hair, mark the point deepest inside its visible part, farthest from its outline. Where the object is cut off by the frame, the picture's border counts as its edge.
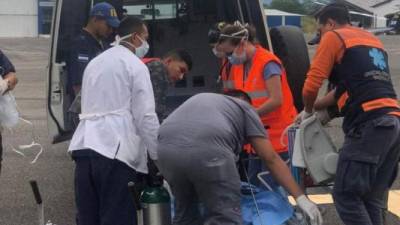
(129, 25)
(238, 94)
(180, 54)
(335, 11)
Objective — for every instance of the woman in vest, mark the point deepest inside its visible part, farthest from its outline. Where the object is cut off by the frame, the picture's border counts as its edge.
(259, 73)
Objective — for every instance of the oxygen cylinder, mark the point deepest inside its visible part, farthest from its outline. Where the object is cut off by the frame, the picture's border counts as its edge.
(156, 204)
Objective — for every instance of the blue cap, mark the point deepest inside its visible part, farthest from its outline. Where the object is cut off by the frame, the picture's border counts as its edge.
(106, 11)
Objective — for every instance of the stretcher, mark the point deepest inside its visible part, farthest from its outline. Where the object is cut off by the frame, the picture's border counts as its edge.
(320, 160)
(265, 206)
(312, 144)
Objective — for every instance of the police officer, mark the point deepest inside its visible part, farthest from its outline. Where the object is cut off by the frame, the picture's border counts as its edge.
(7, 72)
(90, 43)
(103, 19)
(356, 63)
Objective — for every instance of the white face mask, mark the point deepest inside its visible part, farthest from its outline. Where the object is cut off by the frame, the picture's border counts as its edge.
(140, 51)
(236, 59)
(119, 39)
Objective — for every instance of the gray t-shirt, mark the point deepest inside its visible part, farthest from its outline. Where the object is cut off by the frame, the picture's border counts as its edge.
(210, 120)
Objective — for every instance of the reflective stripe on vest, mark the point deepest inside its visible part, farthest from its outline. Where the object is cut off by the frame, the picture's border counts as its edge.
(342, 100)
(395, 113)
(228, 84)
(380, 103)
(258, 94)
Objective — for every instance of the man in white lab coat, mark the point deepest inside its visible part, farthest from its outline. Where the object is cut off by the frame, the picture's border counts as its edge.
(117, 131)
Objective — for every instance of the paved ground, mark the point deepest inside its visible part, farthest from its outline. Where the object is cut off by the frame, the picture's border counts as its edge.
(54, 170)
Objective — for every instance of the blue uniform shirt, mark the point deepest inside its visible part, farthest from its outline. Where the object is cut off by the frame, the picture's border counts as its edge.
(5, 65)
(84, 48)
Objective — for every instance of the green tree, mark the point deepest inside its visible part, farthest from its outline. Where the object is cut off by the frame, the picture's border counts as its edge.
(293, 6)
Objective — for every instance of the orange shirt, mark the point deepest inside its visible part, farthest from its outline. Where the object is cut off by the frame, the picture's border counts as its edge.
(329, 52)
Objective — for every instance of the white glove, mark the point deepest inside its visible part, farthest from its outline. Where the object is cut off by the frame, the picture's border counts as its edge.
(323, 116)
(3, 86)
(302, 116)
(310, 209)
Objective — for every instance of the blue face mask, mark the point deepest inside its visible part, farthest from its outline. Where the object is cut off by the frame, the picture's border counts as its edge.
(236, 59)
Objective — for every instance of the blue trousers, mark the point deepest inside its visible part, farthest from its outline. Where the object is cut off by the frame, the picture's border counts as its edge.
(101, 190)
(366, 169)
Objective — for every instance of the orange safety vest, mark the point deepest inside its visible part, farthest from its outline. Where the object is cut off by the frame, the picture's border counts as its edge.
(363, 92)
(278, 120)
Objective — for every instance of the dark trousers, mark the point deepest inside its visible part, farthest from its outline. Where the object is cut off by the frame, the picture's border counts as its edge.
(367, 167)
(204, 175)
(101, 190)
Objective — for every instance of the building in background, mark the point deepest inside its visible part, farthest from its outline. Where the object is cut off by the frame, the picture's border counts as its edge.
(372, 13)
(25, 18)
(280, 18)
(386, 9)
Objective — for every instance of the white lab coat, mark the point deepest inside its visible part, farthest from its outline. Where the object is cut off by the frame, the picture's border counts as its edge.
(118, 117)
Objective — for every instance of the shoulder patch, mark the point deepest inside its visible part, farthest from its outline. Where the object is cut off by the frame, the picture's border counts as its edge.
(83, 58)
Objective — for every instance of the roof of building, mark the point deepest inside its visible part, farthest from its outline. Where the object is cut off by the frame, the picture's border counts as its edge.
(367, 4)
(275, 12)
(361, 5)
(381, 3)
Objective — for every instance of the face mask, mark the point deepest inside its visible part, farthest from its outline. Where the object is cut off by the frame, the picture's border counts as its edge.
(119, 39)
(217, 53)
(236, 59)
(142, 50)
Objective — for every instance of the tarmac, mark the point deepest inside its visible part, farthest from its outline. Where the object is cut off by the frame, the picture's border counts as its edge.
(54, 170)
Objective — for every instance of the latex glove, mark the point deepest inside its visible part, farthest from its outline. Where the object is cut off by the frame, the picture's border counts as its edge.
(323, 116)
(3, 86)
(302, 116)
(310, 209)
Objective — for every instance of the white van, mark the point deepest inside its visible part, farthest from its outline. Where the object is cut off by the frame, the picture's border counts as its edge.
(172, 24)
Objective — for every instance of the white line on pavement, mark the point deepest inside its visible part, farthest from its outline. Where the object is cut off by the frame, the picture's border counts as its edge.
(394, 199)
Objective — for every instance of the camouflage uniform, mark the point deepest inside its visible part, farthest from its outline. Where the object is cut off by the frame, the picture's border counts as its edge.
(159, 79)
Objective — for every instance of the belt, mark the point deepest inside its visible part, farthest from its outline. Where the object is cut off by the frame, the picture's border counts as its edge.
(94, 116)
